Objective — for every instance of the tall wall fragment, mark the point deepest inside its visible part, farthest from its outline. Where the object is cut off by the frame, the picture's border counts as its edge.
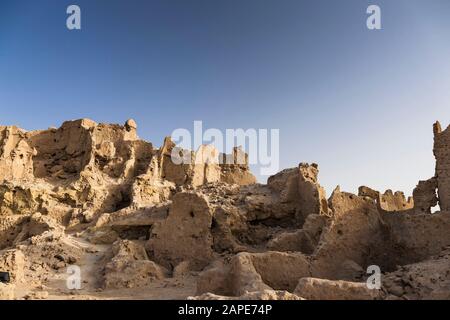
(16, 155)
(442, 153)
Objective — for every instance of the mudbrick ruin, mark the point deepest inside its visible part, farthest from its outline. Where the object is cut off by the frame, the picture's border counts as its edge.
(139, 226)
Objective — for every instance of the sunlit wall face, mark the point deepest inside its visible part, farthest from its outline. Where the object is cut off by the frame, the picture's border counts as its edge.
(359, 102)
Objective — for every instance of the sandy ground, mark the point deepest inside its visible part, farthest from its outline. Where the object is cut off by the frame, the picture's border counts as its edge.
(91, 274)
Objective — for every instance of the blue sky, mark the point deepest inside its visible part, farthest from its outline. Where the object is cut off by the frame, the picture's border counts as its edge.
(360, 103)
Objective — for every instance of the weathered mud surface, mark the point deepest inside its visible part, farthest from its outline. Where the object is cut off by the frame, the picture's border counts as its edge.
(139, 226)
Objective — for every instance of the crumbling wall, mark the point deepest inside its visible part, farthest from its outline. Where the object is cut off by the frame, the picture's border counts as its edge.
(118, 152)
(285, 183)
(98, 167)
(413, 237)
(388, 201)
(109, 187)
(62, 153)
(205, 165)
(442, 153)
(364, 191)
(300, 187)
(16, 155)
(353, 235)
(186, 233)
(148, 191)
(235, 168)
(176, 164)
(425, 196)
(304, 240)
(252, 272)
(312, 196)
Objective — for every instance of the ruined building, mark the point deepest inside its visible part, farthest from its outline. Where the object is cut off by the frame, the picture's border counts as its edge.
(140, 225)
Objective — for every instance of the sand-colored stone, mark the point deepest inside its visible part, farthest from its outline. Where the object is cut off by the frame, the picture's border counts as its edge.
(425, 196)
(322, 289)
(130, 267)
(185, 234)
(13, 261)
(7, 291)
(141, 223)
(442, 153)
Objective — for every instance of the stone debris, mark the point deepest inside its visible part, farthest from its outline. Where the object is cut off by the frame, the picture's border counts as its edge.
(130, 267)
(13, 261)
(141, 221)
(256, 295)
(322, 289)
(7, 291)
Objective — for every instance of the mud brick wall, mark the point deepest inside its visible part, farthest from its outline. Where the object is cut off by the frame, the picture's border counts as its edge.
(442, 154)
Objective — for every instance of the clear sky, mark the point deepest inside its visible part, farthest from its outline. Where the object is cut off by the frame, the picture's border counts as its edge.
(360, 103)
